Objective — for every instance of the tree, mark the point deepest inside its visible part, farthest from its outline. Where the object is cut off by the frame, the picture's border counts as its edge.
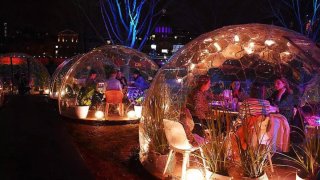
(299, 15)
(129, 22)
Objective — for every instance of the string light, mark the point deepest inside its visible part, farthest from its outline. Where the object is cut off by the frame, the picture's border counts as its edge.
(269, 42)
(236, 38)
(217, 46)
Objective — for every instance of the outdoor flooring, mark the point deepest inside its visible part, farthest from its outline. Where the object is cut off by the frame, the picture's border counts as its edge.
(37, 143)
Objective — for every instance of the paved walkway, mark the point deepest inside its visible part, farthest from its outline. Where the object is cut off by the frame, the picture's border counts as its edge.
(34, 143)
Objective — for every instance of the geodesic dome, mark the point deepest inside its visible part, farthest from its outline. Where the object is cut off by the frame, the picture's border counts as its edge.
(248, 53)
(59, 74)
(16, 68)
(103, 60)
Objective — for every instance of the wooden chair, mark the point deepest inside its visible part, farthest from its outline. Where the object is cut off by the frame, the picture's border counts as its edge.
(114, 97)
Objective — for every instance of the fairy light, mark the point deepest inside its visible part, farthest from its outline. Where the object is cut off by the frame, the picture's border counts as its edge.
(269, 42)
(236, 38)
(179, 80)
(250, 47)
(217, 46)
(192, 66)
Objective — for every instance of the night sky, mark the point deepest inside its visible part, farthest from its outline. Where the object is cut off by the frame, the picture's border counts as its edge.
(197, 16)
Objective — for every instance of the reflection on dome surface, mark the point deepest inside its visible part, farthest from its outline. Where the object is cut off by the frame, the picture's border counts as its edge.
(86, 83)
(247, 53)
(21, 70)
(59, 74)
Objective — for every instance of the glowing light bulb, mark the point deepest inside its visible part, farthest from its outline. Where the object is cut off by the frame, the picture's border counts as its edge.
(63, 93)
(269, 42)
(99, 114)
(236, 38)
(179, 80)
(217, 46)
(46, 91)
(192, 66)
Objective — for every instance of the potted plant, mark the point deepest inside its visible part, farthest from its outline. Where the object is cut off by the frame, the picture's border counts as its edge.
(216, 151)
(83, 102)
(138, 106)
(252, 153)
(154, 147)
(307, 157)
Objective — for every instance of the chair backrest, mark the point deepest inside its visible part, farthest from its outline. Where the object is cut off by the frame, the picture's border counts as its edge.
(176, 135)
(114, 96)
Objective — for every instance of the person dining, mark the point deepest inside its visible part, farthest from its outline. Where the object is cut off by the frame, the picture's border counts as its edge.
(237, 91)
(122, 79)
(112, 83)
(138, 81)
(283, 99)
(253, 109)
(256, 104)
(198, 103)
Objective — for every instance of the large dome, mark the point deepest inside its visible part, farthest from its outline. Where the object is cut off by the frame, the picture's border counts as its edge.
(102, 61)
(17, 67)
(247, 53)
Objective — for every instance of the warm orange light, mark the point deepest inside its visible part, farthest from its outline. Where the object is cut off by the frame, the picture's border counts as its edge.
(99, 114)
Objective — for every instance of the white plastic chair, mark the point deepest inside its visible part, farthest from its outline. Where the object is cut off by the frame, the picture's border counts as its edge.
(178, 142)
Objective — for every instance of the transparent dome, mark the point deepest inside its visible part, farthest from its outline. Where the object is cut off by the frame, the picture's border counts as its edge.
(89, 83)
(21, 70)
(247, 53)
(59, 74)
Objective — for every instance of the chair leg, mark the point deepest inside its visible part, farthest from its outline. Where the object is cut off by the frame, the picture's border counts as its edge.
(184, 164)
(204, 163)
(168, 161)
(270, 161)
(106, 111)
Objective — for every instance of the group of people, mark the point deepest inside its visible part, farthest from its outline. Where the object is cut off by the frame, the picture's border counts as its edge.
(117, 80)
(197, 108)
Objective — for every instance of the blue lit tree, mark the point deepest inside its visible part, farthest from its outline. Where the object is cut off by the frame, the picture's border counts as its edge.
(299, 15)
(129, 22)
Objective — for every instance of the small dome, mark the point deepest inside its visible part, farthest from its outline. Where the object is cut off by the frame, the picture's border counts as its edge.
(247, 53)
(21, 70)
(92, 77)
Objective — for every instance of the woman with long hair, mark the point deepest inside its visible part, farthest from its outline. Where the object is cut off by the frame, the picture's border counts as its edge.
(283, 98)
(198, 103)
(237, 91)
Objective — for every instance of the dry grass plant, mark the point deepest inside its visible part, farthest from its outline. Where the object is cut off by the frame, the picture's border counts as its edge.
(307, 156)
(253, 154)
(158, 105)
(216, 152)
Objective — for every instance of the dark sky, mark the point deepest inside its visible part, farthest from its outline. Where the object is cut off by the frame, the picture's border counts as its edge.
(193, 15)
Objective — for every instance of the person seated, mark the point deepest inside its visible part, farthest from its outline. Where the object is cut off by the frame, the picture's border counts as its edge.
(122, 79)
(91, 81)
(252, 110)
(283, 99)
(198, 102)
(237, 92)
(112, 83)
(138, 81)
(195, 138)
(256, 104)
